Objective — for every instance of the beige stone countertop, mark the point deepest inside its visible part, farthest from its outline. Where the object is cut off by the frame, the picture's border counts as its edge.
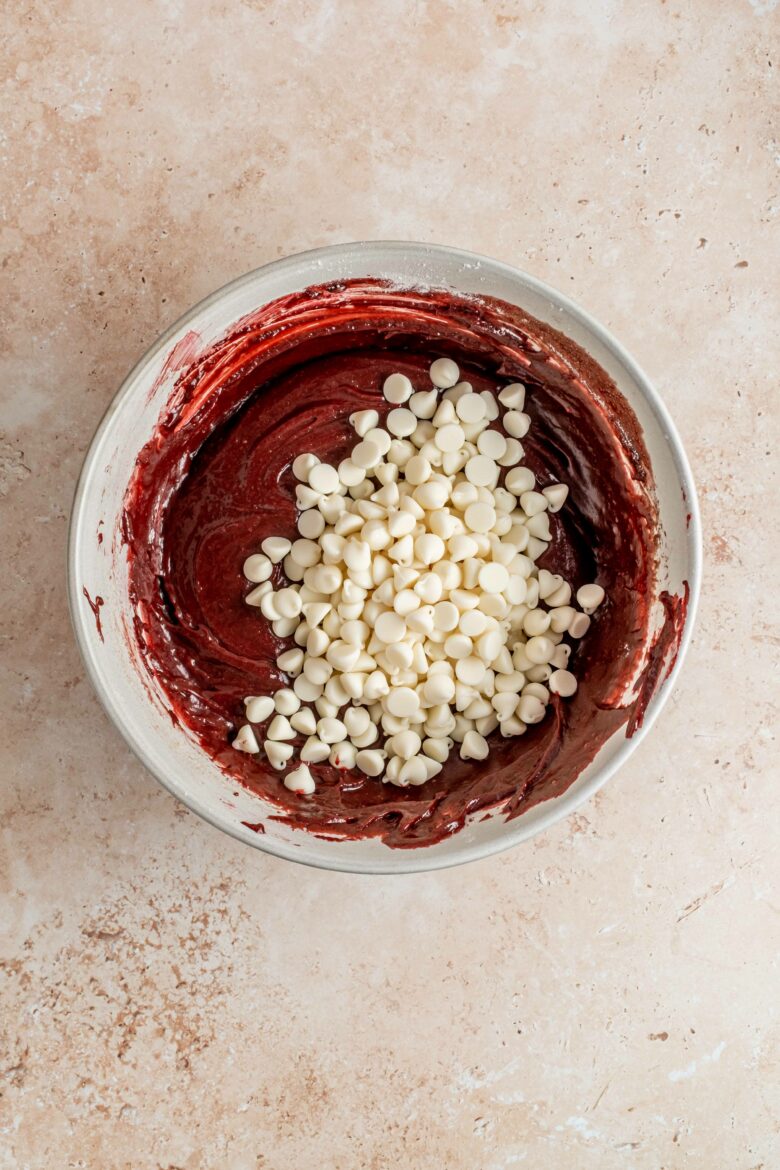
(605, 997)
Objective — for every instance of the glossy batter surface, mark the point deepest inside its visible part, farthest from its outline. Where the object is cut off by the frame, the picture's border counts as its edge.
(215, 480)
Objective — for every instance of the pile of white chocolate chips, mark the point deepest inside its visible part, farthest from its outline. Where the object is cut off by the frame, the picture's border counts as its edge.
(419, 617)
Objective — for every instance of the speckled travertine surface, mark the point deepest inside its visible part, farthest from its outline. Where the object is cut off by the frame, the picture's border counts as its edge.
(605, 998)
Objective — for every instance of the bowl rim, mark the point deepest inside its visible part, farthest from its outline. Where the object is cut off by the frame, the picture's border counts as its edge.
(419, 859)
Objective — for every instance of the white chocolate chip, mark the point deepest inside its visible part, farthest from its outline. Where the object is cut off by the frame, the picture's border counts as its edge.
(589, 598)
(444, 373)
(470, 408)
(257, 568)
(324, 478)
(366, 454)
(256, 595)
(482, 471)
(286, 702)
(560, 658)
(246, 740)
(561, 596)
(370, 762)
(357, 721)
(301, 467)
(397, 388)
(491, 406)
(470, 670)
(530, 709)
(291, 662)
(306, 690)
(539, 649)
(311, 524)
(268, 607)
(276, 548)
(303, 721)
(450, 437)
(424, 403)
(579, 625)
(536, 621)
(401, 422)
(563, 682)
(314, 751)
(493, 578)
(414, 771)
(417, 470)
(505, 705)
(556, 496)
(474, 746)
(278, 753)
(349, 474)
(492, 444)
(516, 424)
(280, 728)
(317, 642)
(287, 602)
(343, 755)
(363, 421)
(513, 726)
(300, 780)
(366, 738)
(480, 517)
(307, 497)
(437, 748)
(380, 438)
(259, 708)
(402, 702)
(513, 396)
(305, 553)
(520, 480)
(404, 744)
(390, 627)
(533, 503)
(331, 730)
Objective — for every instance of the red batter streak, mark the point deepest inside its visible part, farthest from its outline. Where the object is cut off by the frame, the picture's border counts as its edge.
(215, 480)
(96, 604)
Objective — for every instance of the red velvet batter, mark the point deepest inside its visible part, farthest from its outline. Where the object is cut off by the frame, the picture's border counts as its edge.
(215, 480)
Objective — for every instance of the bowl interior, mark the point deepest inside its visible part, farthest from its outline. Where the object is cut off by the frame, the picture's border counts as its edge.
(98, 568)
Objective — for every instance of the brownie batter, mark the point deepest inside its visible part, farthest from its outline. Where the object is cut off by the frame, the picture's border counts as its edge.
(215, 480)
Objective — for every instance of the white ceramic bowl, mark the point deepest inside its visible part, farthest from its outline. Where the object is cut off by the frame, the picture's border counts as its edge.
(100, 568)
